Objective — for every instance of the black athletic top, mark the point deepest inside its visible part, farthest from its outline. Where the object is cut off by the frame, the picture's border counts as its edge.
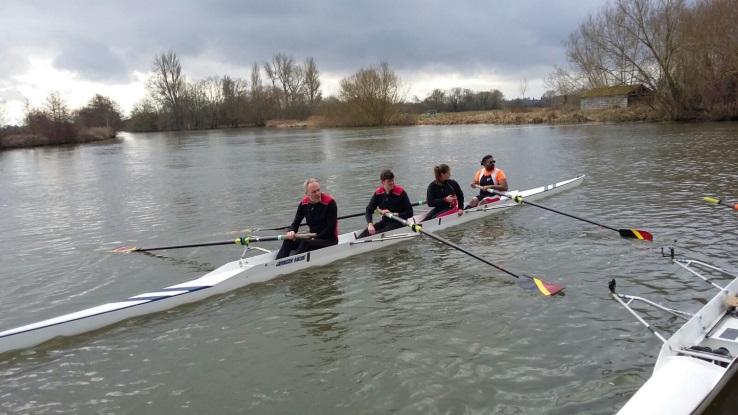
(437, 191)
(396, 201)
(320, 217)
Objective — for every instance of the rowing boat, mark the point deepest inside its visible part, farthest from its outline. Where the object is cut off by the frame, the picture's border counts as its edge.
(245, 271)
(699, 359)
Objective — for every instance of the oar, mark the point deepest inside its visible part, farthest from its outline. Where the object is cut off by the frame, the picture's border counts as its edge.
(716, 201)
(545, 288)
(353, 215)
(625, 233)
(246, 240)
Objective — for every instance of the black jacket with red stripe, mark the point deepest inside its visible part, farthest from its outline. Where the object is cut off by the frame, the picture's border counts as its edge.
(395, 201)
(320, 217)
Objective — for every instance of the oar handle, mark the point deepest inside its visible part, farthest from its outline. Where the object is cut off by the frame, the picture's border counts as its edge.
(245, 240)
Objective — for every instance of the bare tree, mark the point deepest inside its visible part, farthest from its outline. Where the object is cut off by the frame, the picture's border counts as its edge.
(655, 26)
(101, 111)
(53, 121)
(497, 99)
(373, 93)
(144, 116)
(312, 83)
(523, 87)
(708, 64)
(212, 91)
(57, 109)
(167, 85)
(632, 41)
(564, 81)
(435, 100)
(600, 50)
(453, 98)
(290, 78)
(193, 107)
(234, 100)
(258, 97)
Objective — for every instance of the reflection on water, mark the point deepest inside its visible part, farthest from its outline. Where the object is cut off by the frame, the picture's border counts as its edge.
(414, 328)
(316, 299)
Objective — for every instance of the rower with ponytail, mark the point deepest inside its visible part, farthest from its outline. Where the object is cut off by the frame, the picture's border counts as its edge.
(444, 194)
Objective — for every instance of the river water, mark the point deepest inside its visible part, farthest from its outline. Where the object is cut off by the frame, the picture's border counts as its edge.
(414, 329)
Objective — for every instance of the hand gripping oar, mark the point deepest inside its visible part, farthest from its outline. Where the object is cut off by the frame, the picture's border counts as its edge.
(246, 240)
(353, 215)
(716, 201)
(545, 288)
(625, 233)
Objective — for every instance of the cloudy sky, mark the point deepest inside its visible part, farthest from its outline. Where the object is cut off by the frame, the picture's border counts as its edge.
(80, 48)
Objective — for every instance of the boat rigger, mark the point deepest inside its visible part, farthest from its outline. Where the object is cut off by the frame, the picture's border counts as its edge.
(699, 358)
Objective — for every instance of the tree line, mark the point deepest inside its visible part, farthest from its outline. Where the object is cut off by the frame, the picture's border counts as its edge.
(458, 100)
(55, 123)
(684, 52)
(281, 89)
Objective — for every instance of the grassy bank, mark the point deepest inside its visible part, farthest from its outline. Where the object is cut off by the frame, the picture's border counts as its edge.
(35, 140)
(540, 116)
(523, 116)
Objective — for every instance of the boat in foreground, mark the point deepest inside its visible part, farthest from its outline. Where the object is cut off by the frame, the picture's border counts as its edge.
(697, 362)
(245, 271)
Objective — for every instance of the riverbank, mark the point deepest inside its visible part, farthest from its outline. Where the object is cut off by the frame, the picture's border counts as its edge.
(506, 116)
(540, 116)
(36, 140)
(502, 117)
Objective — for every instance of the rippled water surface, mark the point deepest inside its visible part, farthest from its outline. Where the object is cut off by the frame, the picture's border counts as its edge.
(415, 328)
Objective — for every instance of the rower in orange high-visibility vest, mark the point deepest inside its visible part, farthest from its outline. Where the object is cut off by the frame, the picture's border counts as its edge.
(488, 177)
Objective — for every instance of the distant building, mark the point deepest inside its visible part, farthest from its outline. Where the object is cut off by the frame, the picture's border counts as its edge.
(620, 96)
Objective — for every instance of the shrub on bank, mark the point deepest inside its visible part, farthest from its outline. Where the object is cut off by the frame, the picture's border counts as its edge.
(20, 138)
(55, 124)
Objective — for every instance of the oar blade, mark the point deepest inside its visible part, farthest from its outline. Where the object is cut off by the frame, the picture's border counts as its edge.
(540, 286)
(124, 249)
(716, 201)
(636, 234)
(712, 200)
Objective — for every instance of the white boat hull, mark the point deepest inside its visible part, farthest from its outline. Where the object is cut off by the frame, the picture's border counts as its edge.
(240, 273)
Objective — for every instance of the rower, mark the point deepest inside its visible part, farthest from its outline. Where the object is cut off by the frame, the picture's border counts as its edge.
(444, 194)
(388, 198)
(488, 177)
(320, 212)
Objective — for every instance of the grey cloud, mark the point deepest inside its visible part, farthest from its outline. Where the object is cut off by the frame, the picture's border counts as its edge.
(107, 40)
(91, 60)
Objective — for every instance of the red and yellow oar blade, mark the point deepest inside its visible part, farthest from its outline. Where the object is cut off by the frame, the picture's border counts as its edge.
(538, 285)
(636, 234)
